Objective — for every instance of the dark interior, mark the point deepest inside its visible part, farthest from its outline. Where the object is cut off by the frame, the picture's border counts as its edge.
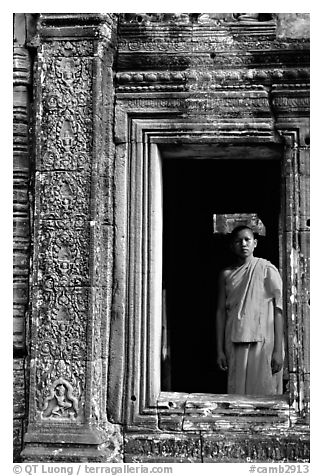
(193, 190)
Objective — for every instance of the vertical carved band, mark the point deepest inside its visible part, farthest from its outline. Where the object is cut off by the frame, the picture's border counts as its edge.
(61, 273)
(21, 165)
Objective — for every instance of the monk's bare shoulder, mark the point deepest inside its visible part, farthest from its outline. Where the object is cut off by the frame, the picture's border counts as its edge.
(225, 273)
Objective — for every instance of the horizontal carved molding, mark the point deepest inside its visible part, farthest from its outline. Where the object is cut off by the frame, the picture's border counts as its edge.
(207, 60)
(207, 41)
(208, 80)
(21, 67)
(222, 106)
(292, 103)
(233, 103)
(251, 20)
(256, 449)
(224, 102)
(170, 448)
(211, 448)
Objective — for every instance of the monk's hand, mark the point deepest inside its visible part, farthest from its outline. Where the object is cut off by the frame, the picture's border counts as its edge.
(276, 362)
(222, 361)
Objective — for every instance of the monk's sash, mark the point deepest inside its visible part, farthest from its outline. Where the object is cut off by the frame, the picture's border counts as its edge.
(245, 301)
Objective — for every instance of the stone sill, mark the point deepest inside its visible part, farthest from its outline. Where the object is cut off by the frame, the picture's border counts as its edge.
(209, 412)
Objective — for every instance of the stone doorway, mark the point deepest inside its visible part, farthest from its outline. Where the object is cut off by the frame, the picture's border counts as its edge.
(193, 190)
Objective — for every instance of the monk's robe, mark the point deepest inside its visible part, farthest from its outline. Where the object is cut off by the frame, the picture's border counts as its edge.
(252, 291)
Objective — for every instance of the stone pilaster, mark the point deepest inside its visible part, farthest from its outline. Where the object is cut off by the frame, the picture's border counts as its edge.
(70, 281)
(22, 89)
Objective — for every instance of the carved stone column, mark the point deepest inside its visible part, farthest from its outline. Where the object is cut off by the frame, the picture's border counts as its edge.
(22, 86)
(70, 286)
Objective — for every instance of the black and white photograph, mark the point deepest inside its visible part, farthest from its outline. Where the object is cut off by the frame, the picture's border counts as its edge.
(161, 240)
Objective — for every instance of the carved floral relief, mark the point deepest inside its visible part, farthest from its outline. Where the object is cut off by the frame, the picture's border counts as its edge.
(64, 195)
(67, 119)
(63, 232)
(63, 253)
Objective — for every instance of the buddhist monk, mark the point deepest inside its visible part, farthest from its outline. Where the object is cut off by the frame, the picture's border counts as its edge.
(249, 320)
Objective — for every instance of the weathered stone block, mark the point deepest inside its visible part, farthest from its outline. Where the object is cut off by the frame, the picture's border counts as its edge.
(171, 409)
(18, 388)
(19, 327)
(225, 223)
(237, 449)
(235, 413)
(293, 25)
(17, 439)
(160, 448)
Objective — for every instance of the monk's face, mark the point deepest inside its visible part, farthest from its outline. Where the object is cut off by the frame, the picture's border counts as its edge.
(244, 244)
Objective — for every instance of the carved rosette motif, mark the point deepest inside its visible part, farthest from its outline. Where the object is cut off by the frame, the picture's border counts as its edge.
(62, 235)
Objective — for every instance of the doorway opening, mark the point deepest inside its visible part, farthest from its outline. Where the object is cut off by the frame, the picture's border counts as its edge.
(195, 189)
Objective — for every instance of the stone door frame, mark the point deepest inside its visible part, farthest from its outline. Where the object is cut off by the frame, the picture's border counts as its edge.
(138, 262)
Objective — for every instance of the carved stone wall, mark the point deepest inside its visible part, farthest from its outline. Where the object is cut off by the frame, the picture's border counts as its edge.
(109, 92)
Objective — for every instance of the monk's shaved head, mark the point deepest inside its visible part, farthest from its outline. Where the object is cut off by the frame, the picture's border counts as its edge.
(239, 228)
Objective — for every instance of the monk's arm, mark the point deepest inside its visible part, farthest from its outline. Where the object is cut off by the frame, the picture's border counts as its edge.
(277, 356)
(220, 324)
